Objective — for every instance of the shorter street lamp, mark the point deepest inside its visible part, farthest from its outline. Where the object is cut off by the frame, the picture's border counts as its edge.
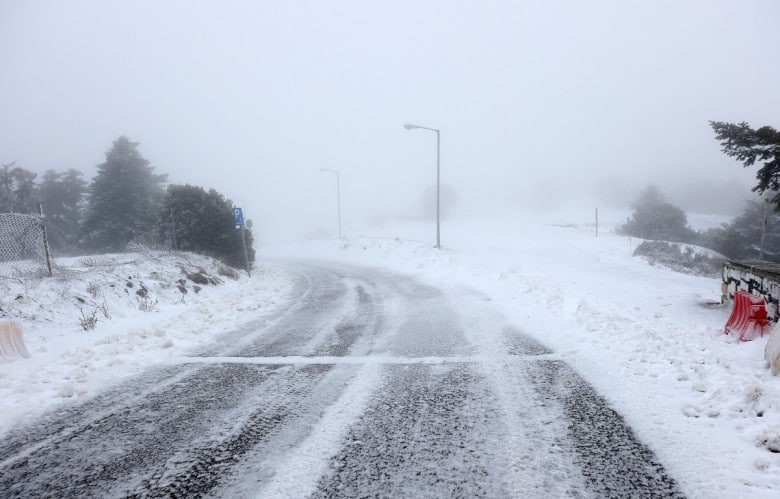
(338, 193)
(409, 126)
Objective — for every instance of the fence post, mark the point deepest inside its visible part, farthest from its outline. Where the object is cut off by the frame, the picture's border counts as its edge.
(45, 239)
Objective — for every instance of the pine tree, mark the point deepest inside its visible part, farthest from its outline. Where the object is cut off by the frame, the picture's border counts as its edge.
(62, 197)
(124, 199)
(748, 146)
(17, 190)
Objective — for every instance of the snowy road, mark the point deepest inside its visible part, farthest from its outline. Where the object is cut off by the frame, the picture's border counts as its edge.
(369, 383)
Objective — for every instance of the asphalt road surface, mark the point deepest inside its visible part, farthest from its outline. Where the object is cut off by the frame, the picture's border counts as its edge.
(367, 384)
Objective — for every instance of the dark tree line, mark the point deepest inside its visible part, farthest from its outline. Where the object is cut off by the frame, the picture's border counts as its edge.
(202, 221)
(753, 234)
(126, 202)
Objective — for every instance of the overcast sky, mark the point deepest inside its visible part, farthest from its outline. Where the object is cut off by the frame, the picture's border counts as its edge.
(537, 101)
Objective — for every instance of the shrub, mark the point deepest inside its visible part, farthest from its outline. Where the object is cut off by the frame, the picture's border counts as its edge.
(681, 258)
(655, 218)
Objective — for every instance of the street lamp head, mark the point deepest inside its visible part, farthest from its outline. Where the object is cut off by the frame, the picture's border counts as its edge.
(409, 126)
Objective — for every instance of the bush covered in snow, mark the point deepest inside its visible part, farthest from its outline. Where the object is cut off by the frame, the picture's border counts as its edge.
(681, 257)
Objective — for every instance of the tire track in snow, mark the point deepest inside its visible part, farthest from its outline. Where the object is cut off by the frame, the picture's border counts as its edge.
(417, 439)
(93, 454)
(612, 459)
(195, 472)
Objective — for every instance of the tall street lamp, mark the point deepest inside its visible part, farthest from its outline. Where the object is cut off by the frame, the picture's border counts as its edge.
(338, 193)
(409, 126)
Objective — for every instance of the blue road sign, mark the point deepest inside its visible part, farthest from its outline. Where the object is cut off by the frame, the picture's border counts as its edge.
(238, 216)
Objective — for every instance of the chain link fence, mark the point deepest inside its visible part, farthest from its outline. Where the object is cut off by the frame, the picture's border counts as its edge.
(23, 246)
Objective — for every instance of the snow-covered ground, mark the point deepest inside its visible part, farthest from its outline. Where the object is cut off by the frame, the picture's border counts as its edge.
(646, 337)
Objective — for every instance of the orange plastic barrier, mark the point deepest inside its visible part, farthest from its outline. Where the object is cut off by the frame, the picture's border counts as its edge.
(748, 319)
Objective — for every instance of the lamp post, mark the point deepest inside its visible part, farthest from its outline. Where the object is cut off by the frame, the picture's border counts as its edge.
(338, 193)
(409, 126)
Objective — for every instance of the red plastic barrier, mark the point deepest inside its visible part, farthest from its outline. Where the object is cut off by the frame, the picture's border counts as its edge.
(748, 319)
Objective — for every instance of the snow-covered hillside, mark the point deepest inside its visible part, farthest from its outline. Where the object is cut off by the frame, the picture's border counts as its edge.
(648, 338)
(146, 307)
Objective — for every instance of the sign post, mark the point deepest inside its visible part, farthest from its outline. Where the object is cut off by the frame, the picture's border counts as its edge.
(238, 217)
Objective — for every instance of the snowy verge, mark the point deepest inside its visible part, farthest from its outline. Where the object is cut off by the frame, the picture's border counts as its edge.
(103, 318)
(772, 352)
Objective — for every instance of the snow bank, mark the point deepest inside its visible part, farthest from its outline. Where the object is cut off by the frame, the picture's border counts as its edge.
(103, 318)
(772, 351)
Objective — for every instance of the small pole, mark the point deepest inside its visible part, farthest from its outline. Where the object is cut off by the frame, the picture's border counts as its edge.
(438, 190)
(597, 222)
(238, 219)
(763, 229)
(45, 240)
(246, 257)
(410, 126)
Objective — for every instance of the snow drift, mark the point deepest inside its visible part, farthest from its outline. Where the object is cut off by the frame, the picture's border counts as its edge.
(772, 351)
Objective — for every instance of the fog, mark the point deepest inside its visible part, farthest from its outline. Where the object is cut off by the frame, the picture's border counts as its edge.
(539, 103)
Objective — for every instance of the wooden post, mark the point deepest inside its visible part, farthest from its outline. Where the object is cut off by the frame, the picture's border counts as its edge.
(246, 257)
(45, 240)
